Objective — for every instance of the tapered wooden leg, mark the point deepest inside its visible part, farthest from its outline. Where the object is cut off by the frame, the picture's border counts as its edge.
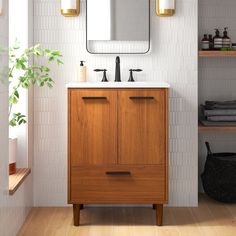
(159, 214)
(76, 214)
(154, 206)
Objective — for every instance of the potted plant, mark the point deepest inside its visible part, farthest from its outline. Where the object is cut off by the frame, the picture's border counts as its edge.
(22, 75)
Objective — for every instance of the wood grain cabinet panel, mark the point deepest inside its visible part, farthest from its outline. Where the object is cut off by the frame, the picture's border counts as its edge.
(142, 126)
(93, 125)
(118, 184)
(117, 148)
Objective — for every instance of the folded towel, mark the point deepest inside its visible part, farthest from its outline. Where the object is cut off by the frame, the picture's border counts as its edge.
(211, 105)
(221, 118)
(218, 107)
(219, 124)
(221, 112)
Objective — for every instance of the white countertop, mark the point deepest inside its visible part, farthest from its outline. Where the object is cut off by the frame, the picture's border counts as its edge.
(118, 85)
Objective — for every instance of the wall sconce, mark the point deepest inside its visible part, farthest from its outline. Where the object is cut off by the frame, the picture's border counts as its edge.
(70, 7)
(165, 7)
(1, 7)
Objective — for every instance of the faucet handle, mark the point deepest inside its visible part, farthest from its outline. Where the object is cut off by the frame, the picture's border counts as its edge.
(104, 78)
(136, 70)
(131, 78)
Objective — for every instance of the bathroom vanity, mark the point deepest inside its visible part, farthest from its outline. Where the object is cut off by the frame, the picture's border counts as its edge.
(118, 145)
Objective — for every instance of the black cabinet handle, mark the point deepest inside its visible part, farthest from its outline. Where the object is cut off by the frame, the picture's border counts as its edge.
(118, 173)
(140, 98)
(94, 98)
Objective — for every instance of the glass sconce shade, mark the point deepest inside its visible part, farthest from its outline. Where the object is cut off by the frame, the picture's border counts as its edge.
(70, 7)
(165, 7)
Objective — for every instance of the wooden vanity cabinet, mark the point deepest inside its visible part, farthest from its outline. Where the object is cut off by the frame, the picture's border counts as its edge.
(117, 147)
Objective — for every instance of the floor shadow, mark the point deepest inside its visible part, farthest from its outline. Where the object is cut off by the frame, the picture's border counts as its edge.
(118, 216)
(206, 214)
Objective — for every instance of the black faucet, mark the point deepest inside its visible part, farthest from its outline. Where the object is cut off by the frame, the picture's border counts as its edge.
(131, 78)
(104, 79)
(117, 74)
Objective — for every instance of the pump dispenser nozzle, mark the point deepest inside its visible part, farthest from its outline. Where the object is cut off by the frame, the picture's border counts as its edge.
(82, 63)
(225, 31)
(217, 32)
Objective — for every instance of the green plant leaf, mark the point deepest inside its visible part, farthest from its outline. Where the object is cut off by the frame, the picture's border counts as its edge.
(17, 119)
(13, 98)
(29, 74)
(51, 59)
(59, 62)
(45, 68)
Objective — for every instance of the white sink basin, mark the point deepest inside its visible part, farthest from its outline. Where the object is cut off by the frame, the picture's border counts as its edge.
(119, 85)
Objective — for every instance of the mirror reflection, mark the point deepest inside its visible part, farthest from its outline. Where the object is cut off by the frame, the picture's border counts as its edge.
(118, 20)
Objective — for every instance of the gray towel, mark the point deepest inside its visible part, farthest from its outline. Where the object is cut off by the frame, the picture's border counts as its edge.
(209, 105)
(214, 107)
(227, 112)
(218, 124)
(221, 118)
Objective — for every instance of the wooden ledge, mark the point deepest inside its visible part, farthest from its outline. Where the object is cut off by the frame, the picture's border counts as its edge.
(217, 53)
(224, 129)
(17, 179)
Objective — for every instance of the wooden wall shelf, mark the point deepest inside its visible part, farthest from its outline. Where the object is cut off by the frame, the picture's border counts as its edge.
(217, 53)
(17, 179)
(216, 129)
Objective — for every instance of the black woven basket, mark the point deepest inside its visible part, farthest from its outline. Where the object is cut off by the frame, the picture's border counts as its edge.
(219, 176)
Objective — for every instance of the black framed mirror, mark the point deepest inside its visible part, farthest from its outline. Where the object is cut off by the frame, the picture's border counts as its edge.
(118, 26)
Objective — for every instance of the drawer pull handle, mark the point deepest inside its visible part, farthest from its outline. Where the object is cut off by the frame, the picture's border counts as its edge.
(118, 173)
(140, 98)
(94, 98)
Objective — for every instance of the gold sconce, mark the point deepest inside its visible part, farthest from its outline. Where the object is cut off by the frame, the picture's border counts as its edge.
(70, 7)
(165, 7)
(1, 7)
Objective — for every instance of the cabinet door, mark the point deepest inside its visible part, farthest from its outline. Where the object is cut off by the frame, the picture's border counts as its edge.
(92, 127)
(142, 122)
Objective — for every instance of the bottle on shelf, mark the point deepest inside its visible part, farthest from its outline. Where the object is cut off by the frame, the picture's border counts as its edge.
(205, 44)
(234, 46)
(211, 42)
(226, 41)
(218, 41)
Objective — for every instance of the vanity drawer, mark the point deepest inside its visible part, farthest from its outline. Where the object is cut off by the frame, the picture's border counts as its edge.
(118, 184)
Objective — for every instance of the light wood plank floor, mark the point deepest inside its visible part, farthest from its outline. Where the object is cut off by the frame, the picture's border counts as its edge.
(211, 218)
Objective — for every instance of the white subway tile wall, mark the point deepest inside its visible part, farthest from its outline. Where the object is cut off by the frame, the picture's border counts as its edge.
(13, 209)
(173, 58)
(217, 76)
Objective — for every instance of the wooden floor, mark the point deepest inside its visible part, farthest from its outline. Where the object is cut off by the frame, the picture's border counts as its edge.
(210, 218)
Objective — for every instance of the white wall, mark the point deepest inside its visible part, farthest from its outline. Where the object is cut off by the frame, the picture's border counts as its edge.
(13, 209)
(217, 76)
(173, 58)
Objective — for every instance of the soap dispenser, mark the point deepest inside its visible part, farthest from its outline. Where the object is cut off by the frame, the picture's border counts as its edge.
(218, 41)
(82, 72)
(226, 39)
